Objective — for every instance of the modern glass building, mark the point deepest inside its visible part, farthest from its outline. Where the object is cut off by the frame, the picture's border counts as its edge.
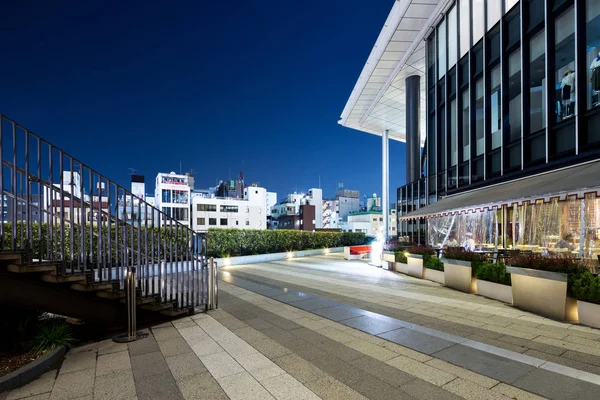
(507, 102)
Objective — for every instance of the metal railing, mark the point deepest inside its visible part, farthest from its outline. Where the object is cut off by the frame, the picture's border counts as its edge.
(55, 209)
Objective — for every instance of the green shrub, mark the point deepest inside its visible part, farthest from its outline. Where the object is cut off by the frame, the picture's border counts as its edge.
(432, 262)
(585, 287)
(401, 256)
(421, 250)
(493, 273)
(456, 253)
(238, 242)
(54, 333)
(564, 263)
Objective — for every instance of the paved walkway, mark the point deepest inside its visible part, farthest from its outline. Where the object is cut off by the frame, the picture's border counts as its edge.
(326, 328)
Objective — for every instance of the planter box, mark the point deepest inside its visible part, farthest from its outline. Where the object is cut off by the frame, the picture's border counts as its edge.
(388, 260)
(401, 267)
(589, 313)
(542, 292)
(415, 265)
(495, 291)
(459, 275)
(434, 275)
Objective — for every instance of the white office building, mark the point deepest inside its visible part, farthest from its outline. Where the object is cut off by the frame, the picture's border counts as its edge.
(371, 223)
(172, 196)
(250, 212)
(271, 202)
(291, 206)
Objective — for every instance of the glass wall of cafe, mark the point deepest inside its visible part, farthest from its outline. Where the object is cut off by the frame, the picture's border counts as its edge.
(555, 226)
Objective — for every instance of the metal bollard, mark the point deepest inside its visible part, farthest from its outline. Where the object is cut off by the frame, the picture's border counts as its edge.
(213, 285)
(131, 303)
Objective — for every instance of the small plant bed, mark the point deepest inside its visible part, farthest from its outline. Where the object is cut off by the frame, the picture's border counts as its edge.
(400, 256)
(421, 255)
(494, 282)
(460, 267)
(429, 258)
(28, 336)
(585, 286)
(457, 253)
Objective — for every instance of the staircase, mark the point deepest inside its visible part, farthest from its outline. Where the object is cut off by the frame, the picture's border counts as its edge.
(69, 236)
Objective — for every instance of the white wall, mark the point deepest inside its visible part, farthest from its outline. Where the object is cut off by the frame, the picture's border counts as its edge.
(271, 201)
(316, 199)
(372, 222)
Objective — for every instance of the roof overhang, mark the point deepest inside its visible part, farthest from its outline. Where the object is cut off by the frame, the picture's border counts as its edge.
(567, 183)
(378, 100)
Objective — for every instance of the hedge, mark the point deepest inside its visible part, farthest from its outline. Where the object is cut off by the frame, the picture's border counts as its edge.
(238, 242)
(495, 273)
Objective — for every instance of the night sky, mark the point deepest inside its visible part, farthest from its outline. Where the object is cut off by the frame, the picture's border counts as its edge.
(212, 85)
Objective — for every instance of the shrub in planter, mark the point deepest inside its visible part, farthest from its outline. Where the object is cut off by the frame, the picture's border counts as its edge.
(495, 273)
(401, 256)
(432, 262)
(457, 253)
(586, 287)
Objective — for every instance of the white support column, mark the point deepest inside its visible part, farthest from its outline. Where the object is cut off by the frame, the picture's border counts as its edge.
(385, 174)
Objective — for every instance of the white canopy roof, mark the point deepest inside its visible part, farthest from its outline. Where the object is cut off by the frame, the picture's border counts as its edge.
(378, 100)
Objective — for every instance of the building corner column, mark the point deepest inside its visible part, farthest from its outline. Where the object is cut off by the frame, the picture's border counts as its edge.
(385, 195)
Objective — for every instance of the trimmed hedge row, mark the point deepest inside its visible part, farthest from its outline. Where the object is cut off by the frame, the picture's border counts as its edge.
(238, 242)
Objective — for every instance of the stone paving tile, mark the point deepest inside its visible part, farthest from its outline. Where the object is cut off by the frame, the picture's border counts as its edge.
(204, 346)
(421, 371)
(372, 350)
(78, 362)
(569, 345)
(331, 389)
(74, 385)
(417, 340)
(471, 391)
(285, 387)
(113, 362)
(43, 384)
(299, 368)
(242, 386)
(271, 349)
(249, 334)
(556, 386)
(419, 389)
(149, 364)
(487, 364)
(382, 371)
(338, 313)
(259, 366)
(161, 334)
(337, 335)
(371, 325)
(201, 387)
(143, 346)
(221, 365)
(173, 347)
(236, 347)
(159, 386)
(232, 323)
(582, 357)
(192, 332)
(116, 386)
(284, 323)
(312, 304)
(184, 365)
(462, 373)
(564, 361)
(498, 343)
(514, 393)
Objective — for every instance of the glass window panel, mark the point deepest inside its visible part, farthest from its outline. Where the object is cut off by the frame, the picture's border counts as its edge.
(431, 60)
(465, 20)
(441, 36)
(537, 82)
(514, 96)
(592, 18)
(452, 38)
(565, 64)
(495, 108)
(442, 139)
(478, 56)
(493, 12)
(452, 133)
(514, 156)
(494, 46)
(478, 20)
(431, 142)
(466, 136)
(536, 12)
(508, 4)
(480, 147)
(513, 27)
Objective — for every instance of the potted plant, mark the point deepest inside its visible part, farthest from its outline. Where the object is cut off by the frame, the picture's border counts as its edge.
(415, 259)
(401, 261)
(586, 288)
(434, 268)
(459, 268)
(389, 255)
(540, 283)
(494, 282)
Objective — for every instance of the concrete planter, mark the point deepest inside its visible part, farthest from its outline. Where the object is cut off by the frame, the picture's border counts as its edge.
(589, 313)
(459, 275)
(401, 267)
(542, 292)
(415, 265)
(434, 275)
(31, 371)
(494, 291)
(388, 260)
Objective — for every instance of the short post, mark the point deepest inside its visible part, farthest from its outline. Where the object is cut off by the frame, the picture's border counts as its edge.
(131, 303)
(213, 285)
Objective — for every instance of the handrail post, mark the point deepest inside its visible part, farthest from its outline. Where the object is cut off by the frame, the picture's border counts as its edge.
(213, 285)
(131, 304)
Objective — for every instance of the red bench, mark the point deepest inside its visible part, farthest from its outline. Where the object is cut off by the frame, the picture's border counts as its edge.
(356, 252)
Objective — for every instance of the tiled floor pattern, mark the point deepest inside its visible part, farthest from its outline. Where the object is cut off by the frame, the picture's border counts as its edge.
(431, 305)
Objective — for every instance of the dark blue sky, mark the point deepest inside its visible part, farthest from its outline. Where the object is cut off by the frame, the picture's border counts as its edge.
(207, 83)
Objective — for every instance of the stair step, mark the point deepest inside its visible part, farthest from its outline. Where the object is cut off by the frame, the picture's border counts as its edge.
(158, 307)
(176, 313)
(53, 278)
(143, 300)
(28, 269)
(111, 295)
(15, 257)
(91, 288)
